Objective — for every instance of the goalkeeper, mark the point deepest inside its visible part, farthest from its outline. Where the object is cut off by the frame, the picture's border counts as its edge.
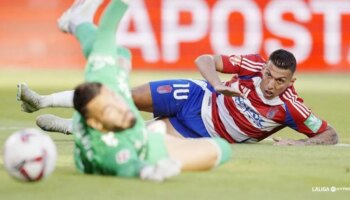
(110, 135)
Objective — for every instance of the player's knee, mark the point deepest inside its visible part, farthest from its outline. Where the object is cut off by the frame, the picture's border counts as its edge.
(142, 96)
(225, 150)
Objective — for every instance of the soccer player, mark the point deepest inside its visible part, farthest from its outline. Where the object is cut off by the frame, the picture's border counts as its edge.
(258, 101)
(110, 136)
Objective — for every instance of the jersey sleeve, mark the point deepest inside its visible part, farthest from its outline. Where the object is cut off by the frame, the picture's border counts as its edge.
(300, 118)
(243, 65)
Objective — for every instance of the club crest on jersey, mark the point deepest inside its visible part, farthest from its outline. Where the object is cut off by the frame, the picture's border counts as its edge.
(164, 89)
(271, 113)
(123, 156)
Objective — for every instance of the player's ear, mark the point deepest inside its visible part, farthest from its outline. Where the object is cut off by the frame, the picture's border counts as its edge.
(93, 123)
(292, 81)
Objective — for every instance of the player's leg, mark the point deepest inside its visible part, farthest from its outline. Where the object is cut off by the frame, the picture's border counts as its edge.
(194, 155)
(78, 20)
(198, 154)
(52, 123)
(32, 101)
(170, 130)
(110, 20)
(142, 97)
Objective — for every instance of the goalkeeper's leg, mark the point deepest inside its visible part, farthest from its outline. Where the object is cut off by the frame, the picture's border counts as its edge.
(110, 20)
(52, 123)
(78, 20)
(198, 154)
(32, 101)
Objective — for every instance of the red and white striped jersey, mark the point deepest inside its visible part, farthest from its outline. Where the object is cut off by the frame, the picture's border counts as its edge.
(253, 117)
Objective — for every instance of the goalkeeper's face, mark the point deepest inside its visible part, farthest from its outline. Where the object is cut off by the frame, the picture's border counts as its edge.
(109, 112)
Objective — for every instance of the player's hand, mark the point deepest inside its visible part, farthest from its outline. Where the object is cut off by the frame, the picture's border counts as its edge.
(227, 91)
(287, 142)
(164, 169)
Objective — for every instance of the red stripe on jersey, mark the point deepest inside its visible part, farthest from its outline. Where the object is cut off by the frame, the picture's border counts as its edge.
(297, 103)
(228, 66)
(241, 121)
(259, 63)
(252, 66)
(275, 113)
(218, 125)
(292, 98)
(245, 125)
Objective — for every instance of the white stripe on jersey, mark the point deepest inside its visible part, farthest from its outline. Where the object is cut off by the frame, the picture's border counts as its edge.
(253, 63)
(299, 104)
(206, 114)
(292, 100)
(250, 69)
(247, 64)
(206, 108)
(255, 118)
(235, 60)
(228, 122)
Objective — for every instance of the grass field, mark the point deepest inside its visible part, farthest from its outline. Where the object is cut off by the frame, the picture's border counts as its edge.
(259, 171)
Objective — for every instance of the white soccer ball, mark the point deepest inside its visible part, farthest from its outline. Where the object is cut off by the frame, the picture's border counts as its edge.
(29, 155)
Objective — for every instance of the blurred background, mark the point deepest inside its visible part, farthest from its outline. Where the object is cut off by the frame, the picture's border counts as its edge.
(165, 37)
(170, 34)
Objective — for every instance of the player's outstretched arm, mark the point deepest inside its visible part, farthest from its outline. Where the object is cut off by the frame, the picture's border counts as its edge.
(327, 137)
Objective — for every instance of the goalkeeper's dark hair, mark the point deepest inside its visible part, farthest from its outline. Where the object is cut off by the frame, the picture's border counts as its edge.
(83, 94)
(284, 60)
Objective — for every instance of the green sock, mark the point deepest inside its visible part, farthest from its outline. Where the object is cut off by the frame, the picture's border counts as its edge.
(86, 35)
(225, 150)
(105, 40)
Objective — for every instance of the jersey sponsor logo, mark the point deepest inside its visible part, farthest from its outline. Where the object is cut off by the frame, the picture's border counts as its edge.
(248, 111)
(313, 123)
(122, 156)
(164, 89)
(98, 62)
(123, 84)
(271, 113)
(181, 91)
(109, 139)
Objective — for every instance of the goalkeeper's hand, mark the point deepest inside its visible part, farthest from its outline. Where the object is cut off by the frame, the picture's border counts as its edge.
(161, 171)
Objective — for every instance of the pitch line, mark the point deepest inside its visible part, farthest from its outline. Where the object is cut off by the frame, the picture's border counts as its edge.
(10, 128)
(338, 145)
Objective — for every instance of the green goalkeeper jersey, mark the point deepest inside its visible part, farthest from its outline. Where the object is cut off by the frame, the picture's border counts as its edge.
(122, 153)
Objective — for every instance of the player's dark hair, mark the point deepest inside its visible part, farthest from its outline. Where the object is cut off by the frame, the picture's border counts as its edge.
(83, 94)
(283, 59)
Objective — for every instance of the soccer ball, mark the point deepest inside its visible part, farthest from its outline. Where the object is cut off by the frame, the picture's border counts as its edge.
(29, 155)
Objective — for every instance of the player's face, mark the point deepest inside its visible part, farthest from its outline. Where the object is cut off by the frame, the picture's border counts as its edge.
(275, 80)
(109, 112)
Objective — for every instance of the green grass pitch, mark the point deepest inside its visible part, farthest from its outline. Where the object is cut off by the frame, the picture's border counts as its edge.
(255, 171)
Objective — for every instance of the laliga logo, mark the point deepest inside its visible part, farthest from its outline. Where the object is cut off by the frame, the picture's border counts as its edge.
(324, 189)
